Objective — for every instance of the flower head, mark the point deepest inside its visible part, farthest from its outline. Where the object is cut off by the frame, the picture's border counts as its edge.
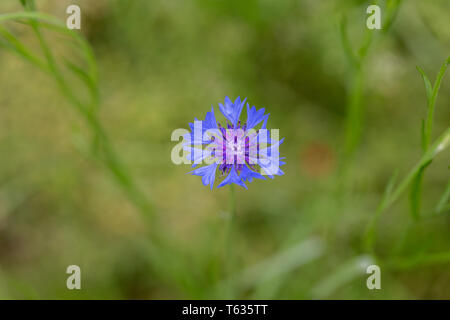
(238, 150)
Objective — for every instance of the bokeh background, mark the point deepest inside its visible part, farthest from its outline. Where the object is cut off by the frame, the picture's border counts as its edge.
(162, 63)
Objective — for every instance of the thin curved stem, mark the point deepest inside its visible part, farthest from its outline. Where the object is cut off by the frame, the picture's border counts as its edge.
(107, 154)
(230, 250)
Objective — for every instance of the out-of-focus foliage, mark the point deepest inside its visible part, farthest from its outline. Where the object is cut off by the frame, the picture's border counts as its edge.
(162, 63)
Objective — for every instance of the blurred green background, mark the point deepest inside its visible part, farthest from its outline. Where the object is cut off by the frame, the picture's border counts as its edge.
(162, 63)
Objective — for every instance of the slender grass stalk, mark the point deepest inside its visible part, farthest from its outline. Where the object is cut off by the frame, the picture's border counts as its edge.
(161, 249)
(419, 260)
(347, 272)
(416, 192)
(415, 176)
(370, 231)
(356, 60)
(105, 152)
(354, 99)
(443, 203)
(427, 127)
(230, 254)
(432, 100)
(13, 44)
(232, 217)
(232, 202)
(391, 195)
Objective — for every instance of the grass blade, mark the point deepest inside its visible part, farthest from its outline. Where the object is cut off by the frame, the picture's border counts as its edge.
(349, 271)
(18, 48)
(420, 260)
(428, 85)
(432, 102)
(416, 192)
(390, 197)
(443, 202)
(108, 155)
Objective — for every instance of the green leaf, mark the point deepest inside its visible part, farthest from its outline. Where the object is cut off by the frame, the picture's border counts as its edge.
(84, 77)
(28, 4)
(392, 9)
(428, 85)
(351, 57)
(108, 155)
(419, 260)
(14, 44)
(415, 194)
(432, 102)
(438, 146)
(423, 136)
(52, 23)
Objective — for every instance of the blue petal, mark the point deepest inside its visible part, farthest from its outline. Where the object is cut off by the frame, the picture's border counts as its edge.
(238, 105)
(227, 111)
(207, 124)
(196, 155)
(248, 174)
(208, 174)
(270, 167)
(232, 178)
(228, 102)
(232, 111)
(264, 125)
(255, 116)
(210, 121)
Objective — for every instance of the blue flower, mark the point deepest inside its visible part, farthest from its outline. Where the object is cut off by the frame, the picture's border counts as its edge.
(237, 150)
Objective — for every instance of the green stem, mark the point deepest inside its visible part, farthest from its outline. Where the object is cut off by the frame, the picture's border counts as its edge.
(232, 202)
(355, 95)
(230, 250)
(432, 93)
(420, 260)
(392, 195)
(354, 114)
(443, 202)
(107, 155)
(432, 103)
